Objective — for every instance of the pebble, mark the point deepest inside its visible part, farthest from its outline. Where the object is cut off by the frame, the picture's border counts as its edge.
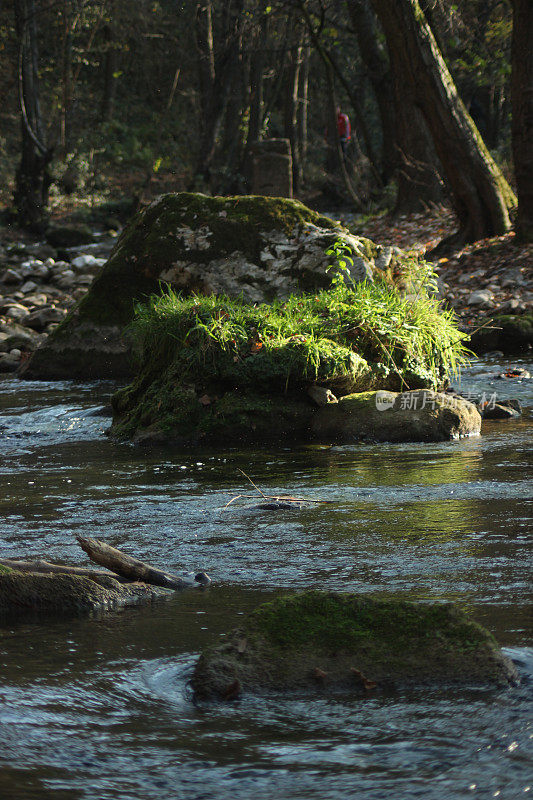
(38, 290)
(28, 287)
(11, 277)
(483, 298)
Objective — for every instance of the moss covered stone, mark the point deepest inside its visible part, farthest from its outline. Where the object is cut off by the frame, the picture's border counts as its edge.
(382, 416)
(512, 333)
(329, 642)
(260, 248)
(211, 367)
(22, 592)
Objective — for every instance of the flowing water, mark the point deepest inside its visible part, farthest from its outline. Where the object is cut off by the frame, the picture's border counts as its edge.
(99, 708)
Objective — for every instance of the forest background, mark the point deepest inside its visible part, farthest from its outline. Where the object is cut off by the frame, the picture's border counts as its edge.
(106, 103)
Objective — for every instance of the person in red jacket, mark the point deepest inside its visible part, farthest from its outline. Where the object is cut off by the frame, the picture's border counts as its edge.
(344, 131)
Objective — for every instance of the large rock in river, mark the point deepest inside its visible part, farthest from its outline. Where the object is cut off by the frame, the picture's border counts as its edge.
(328, 642)
(183, 416)
(257, 247)
(416, 416)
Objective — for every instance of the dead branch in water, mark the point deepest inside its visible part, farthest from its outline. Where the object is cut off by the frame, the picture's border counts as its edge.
(131, 568)
(276, 498)
(123, 568)
(46, 568)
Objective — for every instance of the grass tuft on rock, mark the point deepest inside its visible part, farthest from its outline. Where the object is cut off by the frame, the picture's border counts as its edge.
(305, 338)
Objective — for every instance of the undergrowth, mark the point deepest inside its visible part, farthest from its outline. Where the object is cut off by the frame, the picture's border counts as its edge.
(312, 335)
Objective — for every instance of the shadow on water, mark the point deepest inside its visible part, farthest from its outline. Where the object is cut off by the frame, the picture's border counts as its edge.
(99, 707)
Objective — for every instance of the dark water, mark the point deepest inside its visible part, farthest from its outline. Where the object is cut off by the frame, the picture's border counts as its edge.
(99, 708)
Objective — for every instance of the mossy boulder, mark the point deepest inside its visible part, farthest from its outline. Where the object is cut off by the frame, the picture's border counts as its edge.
(210, 367)
(512, 333)
(259, 248)
(382, 416)
(28, 592)
(325, 643)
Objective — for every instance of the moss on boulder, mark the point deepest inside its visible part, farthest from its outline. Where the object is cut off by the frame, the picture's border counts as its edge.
(211, 367)
(512, 333)
(328, 642)
(259, 248)
(382, 416)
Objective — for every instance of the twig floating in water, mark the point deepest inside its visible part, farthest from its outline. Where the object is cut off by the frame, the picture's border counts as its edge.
(275, 497)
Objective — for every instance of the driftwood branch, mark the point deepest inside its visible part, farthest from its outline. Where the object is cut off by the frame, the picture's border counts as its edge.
(123, 568)
(133, 569)
(46, 568)
(278, 498)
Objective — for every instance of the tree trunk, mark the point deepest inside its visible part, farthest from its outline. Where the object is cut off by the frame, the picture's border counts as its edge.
(417, 165)
(232, 140)
(215, 92)
(407, 151)
(290, 109)
(302, 114)
(257, 68)
(480, 195)
(377, 67)
(66, 76)
(110, 69)
(522, 101)
(32, 180)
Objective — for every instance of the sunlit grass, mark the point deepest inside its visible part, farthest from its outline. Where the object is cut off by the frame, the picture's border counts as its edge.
(373, 320)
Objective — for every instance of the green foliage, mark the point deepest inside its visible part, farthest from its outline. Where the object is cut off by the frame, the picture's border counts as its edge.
(305, 338)
(341, 253)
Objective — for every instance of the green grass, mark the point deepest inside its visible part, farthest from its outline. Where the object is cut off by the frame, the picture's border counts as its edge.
(307, 337)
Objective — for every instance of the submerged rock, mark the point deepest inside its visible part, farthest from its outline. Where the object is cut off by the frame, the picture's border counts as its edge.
(327, 643)
(259, 248)
(22, 592)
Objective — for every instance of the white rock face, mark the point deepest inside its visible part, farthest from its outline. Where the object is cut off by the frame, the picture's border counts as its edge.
(283, 263)
(80, 263)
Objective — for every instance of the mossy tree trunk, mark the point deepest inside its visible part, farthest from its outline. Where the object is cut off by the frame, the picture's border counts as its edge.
(480, 194)
(407, 150)
(522, 100)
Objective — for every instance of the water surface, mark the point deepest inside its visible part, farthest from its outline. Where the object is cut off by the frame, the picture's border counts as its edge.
(99, 707)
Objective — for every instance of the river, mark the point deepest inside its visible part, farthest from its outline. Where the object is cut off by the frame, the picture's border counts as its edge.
(98, 708)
